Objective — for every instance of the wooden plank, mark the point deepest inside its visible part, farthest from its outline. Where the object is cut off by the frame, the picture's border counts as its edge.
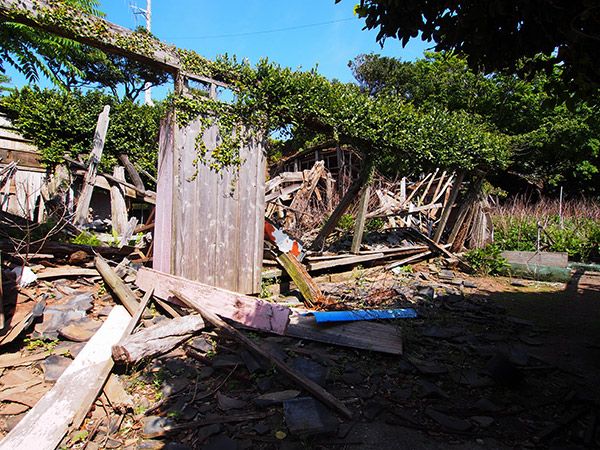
(118, 208)
(283, 192)
(360, 219)
(448, 206)
(302, 198)
(344, 261)
(298, 378)
(112, 38)
(550, 259)
(163, 231)
(410, 259)
(83, 202)
(116, 284)
(103, 181)
(412, 210)
(309, 289)
(45, 425)
(337, 214)
(435, 247)
(66, 271)
(426, 191)
(249, 311)
(377, 337)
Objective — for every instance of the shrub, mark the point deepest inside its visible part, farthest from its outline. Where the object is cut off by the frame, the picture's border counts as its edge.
(487, 260)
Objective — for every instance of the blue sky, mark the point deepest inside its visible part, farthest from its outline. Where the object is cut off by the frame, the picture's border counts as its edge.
(313, 31)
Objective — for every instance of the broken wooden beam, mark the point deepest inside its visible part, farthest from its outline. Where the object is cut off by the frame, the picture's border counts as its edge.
(157, 339)
(131, 170)
(360, 218)
(448, 206)
(74, 392)
(116, 284)
(104, 180)
(337, 214)
(249, 311)
(89, 180)
(300, 379)
(113, 38)
(310, 291)
(435, 247)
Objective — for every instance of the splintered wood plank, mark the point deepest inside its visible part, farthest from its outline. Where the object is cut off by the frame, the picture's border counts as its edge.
(89, 180)
(378, 337)
(249, 311)
(48, 421)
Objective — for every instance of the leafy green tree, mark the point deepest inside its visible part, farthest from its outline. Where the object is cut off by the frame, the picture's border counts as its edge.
(498, 35)
(62, 123)
(28, 49)
(552, 145)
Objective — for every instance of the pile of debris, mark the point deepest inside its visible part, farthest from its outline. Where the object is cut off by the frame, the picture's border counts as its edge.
(453, 368)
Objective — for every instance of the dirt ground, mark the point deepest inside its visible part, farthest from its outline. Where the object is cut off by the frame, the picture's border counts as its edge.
(488, 363)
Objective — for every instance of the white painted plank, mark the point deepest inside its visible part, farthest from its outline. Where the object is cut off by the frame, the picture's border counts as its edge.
(45, 425)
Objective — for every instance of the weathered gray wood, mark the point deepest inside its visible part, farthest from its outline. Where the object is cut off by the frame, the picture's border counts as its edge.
(377, 337)
(360, 218)
(118, 208)
(116, 284)
(302, 198)
(426, 191)
(83, 202)
(448, 206)
(298, 378)
(249, 311)
(47, 422)
(410, 259)
(120, 400)
(215, 220)
(435, 247)
(163, 225)
(550, 259)
(464, 209)
(131, 170)
(337, 214)
(102, 181)
(344, 261)
(156, 340)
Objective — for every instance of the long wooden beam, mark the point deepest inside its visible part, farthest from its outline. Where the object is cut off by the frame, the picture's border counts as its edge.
(61, 20)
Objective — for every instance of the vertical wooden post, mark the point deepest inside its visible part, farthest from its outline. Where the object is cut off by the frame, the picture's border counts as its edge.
(448, 206)
(118, 209)
(89, 179)
(360, 218)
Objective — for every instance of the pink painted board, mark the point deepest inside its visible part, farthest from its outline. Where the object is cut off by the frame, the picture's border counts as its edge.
(246, 310)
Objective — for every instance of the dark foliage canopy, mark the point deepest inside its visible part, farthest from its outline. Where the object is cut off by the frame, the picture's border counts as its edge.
(502, 35)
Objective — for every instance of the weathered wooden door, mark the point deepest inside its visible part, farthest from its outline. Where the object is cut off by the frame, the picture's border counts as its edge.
(205, 230)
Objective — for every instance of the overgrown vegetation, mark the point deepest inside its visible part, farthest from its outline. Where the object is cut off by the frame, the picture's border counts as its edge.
(63, 123)
(576, 230)
(487, 260)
